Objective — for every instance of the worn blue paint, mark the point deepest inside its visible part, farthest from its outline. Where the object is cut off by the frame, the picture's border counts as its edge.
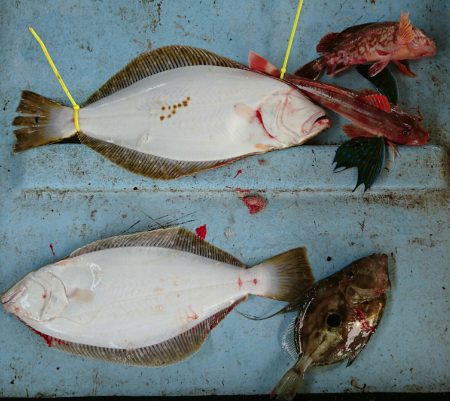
(68, 195)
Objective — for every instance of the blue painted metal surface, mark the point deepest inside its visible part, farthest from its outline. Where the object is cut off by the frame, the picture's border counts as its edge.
(67, 196)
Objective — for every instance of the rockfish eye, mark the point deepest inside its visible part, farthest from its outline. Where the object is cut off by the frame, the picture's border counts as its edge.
(350, 274)
(406, 132)
(334, 319)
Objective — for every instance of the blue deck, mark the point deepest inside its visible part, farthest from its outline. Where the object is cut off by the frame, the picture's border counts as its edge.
(67, 196)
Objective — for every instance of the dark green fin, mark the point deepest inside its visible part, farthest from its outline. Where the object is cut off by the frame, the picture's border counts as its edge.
(37, 122)
(366, 154)
(170, 351)
(384, 82)
(158, 60)
(293, 274)
(172, 238)
(149, 165)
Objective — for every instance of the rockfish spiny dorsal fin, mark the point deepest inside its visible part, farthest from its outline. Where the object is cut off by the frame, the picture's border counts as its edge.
(171, 238)
(156, 61)
(327, 43)
(405, 29)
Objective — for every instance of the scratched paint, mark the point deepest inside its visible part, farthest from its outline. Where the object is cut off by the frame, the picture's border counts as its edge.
(48, 195)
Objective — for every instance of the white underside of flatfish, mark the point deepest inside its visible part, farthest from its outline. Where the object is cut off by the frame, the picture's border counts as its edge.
(203, 113)
(134, 297)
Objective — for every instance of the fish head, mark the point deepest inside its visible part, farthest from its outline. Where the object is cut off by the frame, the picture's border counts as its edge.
(409, 132)
(364, 279)
(330, 329)
(291, 118)
(39, 296)
(421, 45)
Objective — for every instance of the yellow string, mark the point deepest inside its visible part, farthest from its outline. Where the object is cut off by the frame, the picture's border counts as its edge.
(291, 39)
(75, 106)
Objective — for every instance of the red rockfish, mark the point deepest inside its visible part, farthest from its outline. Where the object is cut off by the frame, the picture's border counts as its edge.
(378, 43)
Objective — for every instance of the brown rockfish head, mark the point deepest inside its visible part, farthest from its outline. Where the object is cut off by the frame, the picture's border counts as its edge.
(421, 45)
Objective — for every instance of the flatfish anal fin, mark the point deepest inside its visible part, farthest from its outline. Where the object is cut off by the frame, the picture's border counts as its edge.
(172, 238)
(159, 60)
(150, 165)
(167, 352)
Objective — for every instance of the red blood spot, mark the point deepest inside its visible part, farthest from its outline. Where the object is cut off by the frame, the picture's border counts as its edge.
(44, 296)
(193, 316)
(255, 203)
(380, 291)
(361, 316)
(239, 282)
(260, 120)
(262, 161)
(52, 249)
(201, 231)
(255, 281)
(238, 172)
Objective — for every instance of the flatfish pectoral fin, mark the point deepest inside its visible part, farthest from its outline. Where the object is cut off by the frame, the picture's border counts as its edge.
(150, 165)
(167, 352)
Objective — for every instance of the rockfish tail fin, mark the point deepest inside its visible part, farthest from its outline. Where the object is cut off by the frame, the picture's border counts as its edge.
(311, 70)
(42, 121)
(287, 387)
(287, 275)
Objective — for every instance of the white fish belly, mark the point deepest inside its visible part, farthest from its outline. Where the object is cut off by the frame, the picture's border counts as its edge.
(138, 296)
(199, 113)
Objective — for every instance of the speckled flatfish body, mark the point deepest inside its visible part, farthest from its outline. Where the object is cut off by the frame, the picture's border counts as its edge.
(178, 110)
(148, 298)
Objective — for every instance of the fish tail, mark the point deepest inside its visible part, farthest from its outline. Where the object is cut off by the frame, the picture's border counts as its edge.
(285, 276)
(288, 386)
(42, 121)
(311, 70)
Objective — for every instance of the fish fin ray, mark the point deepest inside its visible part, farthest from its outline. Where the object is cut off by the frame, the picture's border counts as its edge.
(171, 238)
(377, 67)
(356, 28)
(403, 67)
(257, 62)
(366, 154)
(288, 386)
(37, 123)
(288, 340)
(150, 165)
(311, 70)
(378, 100)
(159, 60)
(165, 353)
(290, 272)
(405, 29)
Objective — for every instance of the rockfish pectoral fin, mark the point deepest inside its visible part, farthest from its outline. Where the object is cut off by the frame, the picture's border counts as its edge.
(403, 67)
(377, 67)
(312, 70)
(366, 154)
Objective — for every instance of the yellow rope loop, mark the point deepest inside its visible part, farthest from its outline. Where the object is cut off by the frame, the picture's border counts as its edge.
(291, 39)
(75, 106)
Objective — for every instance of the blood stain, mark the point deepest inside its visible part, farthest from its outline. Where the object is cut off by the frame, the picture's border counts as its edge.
(255, 203)
(194, 316)
(255, 281)
(44, 296)
(238, 173)
(260, 120)
(262, 161)
(52, 249)
(239, 282)
(201, 231)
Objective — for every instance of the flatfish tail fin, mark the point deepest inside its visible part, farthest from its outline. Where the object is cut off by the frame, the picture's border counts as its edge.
(150, 165)
(289, 274)
(41, 121)
(288, 386)
(167, 352)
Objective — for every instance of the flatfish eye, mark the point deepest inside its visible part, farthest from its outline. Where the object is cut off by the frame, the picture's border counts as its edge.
(334, 320)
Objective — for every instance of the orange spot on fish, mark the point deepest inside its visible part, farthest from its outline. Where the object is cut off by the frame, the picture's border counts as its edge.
(262, 146)
(201, 231)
